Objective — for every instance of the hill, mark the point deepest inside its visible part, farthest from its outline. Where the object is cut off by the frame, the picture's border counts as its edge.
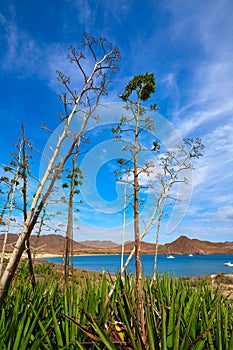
(183, 245)
(100, 244)
(54, 244)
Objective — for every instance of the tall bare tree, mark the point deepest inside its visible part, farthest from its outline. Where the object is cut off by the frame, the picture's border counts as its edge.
(137, 91)
(94, 84)
(183, 158)
(172, 167)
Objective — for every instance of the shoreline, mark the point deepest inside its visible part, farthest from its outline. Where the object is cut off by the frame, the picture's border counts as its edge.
(48, 255)
(53, 255)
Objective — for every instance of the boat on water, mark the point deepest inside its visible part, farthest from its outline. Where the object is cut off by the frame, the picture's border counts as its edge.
(228, 263)
(190, 254)
(170, 257)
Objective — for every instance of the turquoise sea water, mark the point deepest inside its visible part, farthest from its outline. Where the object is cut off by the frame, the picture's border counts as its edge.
(182, 265)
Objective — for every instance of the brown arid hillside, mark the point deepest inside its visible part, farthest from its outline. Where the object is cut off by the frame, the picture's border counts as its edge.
(185, 245)
(47, 244)
(54, 244)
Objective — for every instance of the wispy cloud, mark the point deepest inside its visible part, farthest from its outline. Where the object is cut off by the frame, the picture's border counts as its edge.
(22, 55)
(226, 213)
(206, 107)
(25, 56)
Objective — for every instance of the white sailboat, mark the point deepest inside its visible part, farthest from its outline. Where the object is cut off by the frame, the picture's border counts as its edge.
(230, 264)
(170, 256)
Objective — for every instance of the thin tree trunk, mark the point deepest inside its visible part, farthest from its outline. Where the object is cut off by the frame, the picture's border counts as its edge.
(39, 231)
(156, 249)
(70, 224)
(136, 232)
(138, 267)
(69, 234)
(24, 192)
(123, 232)
(30, 264)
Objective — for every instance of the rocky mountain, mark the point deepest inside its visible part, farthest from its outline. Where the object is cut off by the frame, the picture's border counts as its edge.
(51, 244)
(185, 245)
(54, 244)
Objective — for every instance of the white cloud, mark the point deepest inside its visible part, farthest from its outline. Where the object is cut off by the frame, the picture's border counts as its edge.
(22, 54)
(85, 12)
(225, 213)
(206, 106)
(93, 233)
(25, 57)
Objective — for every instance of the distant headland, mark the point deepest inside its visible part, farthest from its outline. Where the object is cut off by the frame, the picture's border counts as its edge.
(54, 245)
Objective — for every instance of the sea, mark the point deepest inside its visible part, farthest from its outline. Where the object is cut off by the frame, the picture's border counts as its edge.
(181, 265)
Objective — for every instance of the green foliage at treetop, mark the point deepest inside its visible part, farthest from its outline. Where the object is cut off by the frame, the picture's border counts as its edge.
(144, 85)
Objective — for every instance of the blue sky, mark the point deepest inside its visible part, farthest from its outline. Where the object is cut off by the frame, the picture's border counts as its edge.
(188, 45)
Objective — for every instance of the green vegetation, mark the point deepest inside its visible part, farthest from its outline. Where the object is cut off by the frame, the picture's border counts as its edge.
(178, 314)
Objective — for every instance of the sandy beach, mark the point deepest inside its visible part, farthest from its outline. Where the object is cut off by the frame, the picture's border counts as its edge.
(38, 255)
(47, 255)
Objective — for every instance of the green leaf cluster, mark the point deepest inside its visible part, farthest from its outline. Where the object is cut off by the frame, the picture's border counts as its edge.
(144, 85)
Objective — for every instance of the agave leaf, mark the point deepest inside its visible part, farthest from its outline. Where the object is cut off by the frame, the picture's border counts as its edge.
(57, 329)
(83, 329)
(103, 337)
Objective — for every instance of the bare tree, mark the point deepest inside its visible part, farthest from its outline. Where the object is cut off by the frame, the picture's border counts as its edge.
(191, 149)
(174, 165)
(39, 230)
(24, 175)
(94, 84)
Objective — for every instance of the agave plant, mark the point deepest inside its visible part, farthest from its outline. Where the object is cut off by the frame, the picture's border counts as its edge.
(178, 314)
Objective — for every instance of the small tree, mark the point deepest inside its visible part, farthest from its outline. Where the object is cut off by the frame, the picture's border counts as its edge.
(172, 165)
(17, 196)
(137, 91)
(85, 99)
